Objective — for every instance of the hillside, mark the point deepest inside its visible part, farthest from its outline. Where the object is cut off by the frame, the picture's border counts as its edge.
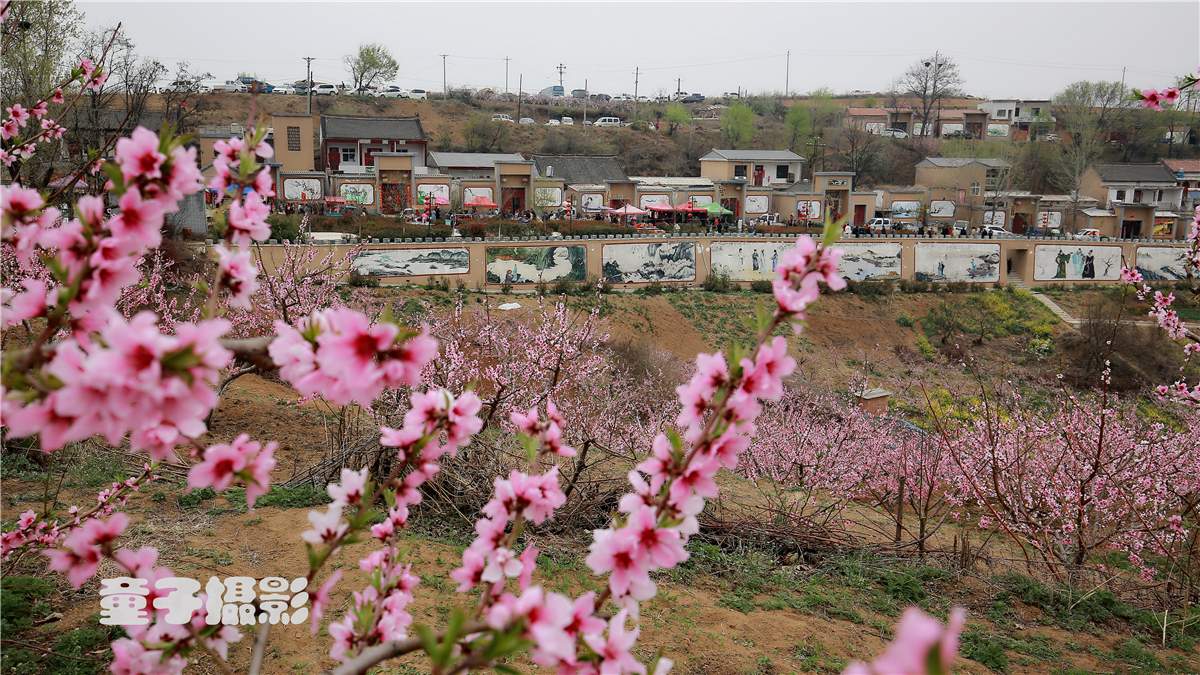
(729, 609)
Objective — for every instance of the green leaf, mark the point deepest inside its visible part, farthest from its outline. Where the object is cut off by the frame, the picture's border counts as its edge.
(428, 640)
(832, 230)
(113, 172)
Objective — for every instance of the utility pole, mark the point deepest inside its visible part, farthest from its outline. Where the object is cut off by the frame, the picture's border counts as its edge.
(585, 101)
(308, 62)
(678, 85)
(636, 73)
(506, 60)
(445, 90)
(787, 74)
(520, 91)
(560, 69)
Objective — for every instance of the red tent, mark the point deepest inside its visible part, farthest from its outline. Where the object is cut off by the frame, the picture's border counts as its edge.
(661, 208)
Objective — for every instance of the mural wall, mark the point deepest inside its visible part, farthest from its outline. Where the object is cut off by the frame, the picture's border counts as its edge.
(635, 263)
(531, 264)
(808, 209)
(906, 210)
(470, 193)
(746, 260)
(357, 193)
(1049, 219)
(941, 209)
(1160, 263)
(1069, 262)
(592, 201)
(869, 262)
(993, 218)
(997, 130)
(757, 203)
(439, 192)
(700, 200)
(409, 262)
(547, 197)
(302, 188)
(958, 262)
(646, 201)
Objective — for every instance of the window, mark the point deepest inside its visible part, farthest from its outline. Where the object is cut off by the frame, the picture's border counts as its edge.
(293, 139)
(1158, 195)
(993, 179)
(1120, 196)
(1037, 111)
(350, 155)
(1137, 196)
(975, 189)
(739, 170)
(781, 171)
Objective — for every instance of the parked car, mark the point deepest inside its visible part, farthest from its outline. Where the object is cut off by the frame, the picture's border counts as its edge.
(527, 120)
(1049, 138)
(879, 224)
(692, 98)
(365, 90)
(995, 232)
(553, 123)
(622, 97)
(1087, 233)
(285, 89)
(579, 93)
(608, 122)
(418, 94)
(731, 94)
(895, 133)
(957, 134)
(391, 91)
(255, 84)
(1044, 232)
(231, 86)
(599, 97)
(568, 121)
(186, 86)
(324, 90)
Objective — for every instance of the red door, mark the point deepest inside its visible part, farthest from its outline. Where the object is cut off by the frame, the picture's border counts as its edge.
(860, 215)
(333, 159)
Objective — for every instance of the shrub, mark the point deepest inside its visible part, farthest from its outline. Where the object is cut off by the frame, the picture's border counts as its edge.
(905, 320)
(284, 226)
(718, 283)
(760, 286)
(363, 280)
(653, 288)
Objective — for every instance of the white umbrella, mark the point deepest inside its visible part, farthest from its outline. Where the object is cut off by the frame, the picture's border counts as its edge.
(629, 210)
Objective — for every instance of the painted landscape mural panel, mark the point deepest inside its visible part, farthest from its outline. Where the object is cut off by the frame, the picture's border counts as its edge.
(531, 264)
(302, 188)
(958, 262)
(869, 262)
(1162, 263)
(640, 263)
(1051, 263)
(410, 262)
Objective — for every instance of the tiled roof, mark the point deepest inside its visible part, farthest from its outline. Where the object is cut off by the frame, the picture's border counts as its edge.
(754, 155)
(1183, 165)
(867, 112)
(392, 128)
(588, 169)
(1134, 173)
(470, 160)
(953, 162)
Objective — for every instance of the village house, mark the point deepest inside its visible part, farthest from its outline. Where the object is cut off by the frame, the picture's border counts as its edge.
(877, 120)
(1187, 177)
(348, 144)
(1134, 200)
(964, 181)
(591, 182)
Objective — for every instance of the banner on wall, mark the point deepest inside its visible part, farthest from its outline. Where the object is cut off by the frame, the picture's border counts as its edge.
(997, 130)
(757, 203)
(874, 127)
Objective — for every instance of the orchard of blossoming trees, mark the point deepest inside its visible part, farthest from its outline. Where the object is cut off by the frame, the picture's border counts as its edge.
(110, 356)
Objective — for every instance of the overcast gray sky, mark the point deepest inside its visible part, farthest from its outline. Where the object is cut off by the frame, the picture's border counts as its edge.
(1027, 50)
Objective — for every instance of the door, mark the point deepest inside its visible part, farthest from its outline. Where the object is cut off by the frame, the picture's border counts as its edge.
(732, 203)
(1131, 229)
(333, 159)
(1019, 223)
(512, 199)
(860, 214)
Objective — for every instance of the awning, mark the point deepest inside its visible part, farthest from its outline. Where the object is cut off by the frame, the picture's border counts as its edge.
(480, 202)
(629, 210)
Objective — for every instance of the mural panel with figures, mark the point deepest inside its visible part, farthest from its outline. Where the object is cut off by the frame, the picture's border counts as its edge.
(547, 197)
(646, 201)
(1052, 263)
(995, 218)
(531, 264)
(592, 201)
(700, 200)
(808, 209)
(473, 193)
(410, 262)
(302, 188)
(640, 263)
(958, 262)
(1162, 263)
(358, 193)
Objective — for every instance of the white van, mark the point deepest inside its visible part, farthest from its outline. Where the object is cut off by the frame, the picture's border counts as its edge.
(568, 121)
(324, 90)
(419, 94)
(608, 122)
